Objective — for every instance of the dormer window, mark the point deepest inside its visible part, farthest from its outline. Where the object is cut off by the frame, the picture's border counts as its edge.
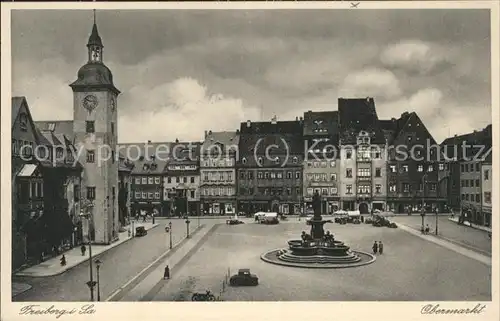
(244, 160)
(23, 122)
(259, 160)
(145, 167)
(277, 160)
(52, 127)
(295, 160)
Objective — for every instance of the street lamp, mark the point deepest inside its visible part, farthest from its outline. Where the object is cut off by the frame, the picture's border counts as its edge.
(187, 226)
(98, 265)
(91, 284)
(423, 201)
(170, 231)
(437, 221)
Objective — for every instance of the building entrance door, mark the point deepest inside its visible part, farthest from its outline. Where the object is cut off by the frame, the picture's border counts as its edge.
(363, 208)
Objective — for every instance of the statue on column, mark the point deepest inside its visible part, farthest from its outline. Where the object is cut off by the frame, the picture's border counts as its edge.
(317, 231)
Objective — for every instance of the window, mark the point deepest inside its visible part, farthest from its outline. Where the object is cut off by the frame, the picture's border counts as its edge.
(477, 183)
(478, 198)
(430, 168)
(169, 179)
(364, 172)
(348, 172)
(76, 193)
(332, 164)
(289, 175)
(90, 156)
(433, 186)
(393, 168)
(295, 160)
(266, 175)
(157, 195)
(333, 177)
(315, 164)
(324, 191)
(466, 183)
(250, 175)
(420, 168)
(471, 167)
(23, 122)
(405, 168)
(192, 179)
(185, 179)
(378, 188)
(14, 146)
(279, 175)
(259, 160)
(177, 179)
(157, 180)
(144, 180)
(297, 191)
(277, 160)
(466, 197)
(137, 180)
(297, 175)
(441, 166)
(259, 175)
(463, 197)
(309, 191)
(364, 189)
(323, 164)
(348, 153)
(486, 174)
(309, 164)
(244, 160)
(112, 128)
(477, 167)
(378, 172)
(137, 195)
(150, 180)
(348, 189)
(89, 126)
(333, 190)
(91, 192)
(150, 195)
(462, 168)
(192, 194)
(406, 187)
(487, 197)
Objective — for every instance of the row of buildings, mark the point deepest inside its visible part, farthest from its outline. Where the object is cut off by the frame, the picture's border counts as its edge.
(72, 193)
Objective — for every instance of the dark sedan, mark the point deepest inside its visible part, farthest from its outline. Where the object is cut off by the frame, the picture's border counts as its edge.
(244, 277)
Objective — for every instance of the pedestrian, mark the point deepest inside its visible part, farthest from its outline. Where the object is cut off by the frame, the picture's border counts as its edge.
(380, 247)
(427, 229)
(83, 249)
(166, 274)
(375, 247)
(63, 260)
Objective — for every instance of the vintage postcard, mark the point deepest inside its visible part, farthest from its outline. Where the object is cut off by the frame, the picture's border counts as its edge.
(335, 160)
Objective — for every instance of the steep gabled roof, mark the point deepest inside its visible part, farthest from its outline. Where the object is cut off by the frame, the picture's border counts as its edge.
(357, 115)
(140, 169)
(278, 127)
(226, 138)
(64, 127)
(479, 143)
(321, 123)
(17, 103)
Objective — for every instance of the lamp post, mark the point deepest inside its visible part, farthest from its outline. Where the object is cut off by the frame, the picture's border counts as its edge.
(91, 283)
(170, 231)
(423, 201)
(187, 226)
(437, 221)
(98, 265)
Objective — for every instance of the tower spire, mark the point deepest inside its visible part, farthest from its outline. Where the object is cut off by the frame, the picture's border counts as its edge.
(94, 16)
(94, 44)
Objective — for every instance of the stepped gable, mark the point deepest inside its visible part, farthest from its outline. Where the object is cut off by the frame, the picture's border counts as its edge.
(356, 115)
(264, 134)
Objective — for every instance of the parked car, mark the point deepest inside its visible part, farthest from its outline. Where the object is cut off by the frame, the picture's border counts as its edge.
(234, 222)
(140, 231)
(244, 277)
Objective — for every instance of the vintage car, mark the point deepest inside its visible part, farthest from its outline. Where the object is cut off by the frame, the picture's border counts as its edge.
(244, 277)
(140, 231)
(234, 222)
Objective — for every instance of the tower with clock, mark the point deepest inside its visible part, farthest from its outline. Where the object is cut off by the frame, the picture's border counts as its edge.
(96, 136)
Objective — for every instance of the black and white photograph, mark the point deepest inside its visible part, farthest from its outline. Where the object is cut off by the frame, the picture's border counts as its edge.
(250, 154)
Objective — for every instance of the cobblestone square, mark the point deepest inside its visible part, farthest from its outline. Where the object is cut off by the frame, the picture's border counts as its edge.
(410, 268)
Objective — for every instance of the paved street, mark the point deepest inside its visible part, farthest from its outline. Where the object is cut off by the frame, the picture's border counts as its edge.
(466, 236)
(410, 268)
(119, 265)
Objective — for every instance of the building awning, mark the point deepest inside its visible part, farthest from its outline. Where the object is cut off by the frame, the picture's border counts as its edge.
(28, 170)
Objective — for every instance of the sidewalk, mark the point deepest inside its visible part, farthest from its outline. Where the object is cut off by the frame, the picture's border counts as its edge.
(446, 244)
(477, 227)
(153, 282)
(74, 257)
(18, 288)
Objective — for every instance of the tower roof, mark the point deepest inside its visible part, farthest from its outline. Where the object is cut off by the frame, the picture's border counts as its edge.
(94, 38)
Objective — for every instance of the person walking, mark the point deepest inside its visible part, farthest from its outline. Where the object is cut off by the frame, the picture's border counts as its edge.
(83, 249)
(375, 247)
(63, 260)
(166, 274)
(380, 247)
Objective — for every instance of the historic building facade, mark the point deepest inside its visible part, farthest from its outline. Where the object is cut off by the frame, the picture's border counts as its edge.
(321, 162)
(125, 168)
(362, 164)
(269, 167)
(487, 188)
(414, 164)
(181, 180)
(218, 156)
(95, 126)
(147, 185)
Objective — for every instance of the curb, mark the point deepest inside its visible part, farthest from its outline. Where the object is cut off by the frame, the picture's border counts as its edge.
(143, 273)
(19, 274)
(476, 227)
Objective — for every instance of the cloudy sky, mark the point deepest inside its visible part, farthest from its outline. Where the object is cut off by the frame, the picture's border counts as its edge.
(183, 72)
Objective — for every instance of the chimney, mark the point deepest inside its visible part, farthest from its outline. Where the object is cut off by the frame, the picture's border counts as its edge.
(237, 132)
(210, 132)
(393, 119)
(149, 142)
(274, 120)
(177, 140)
(297, 118)
(206, 134)
(249, 123)
(301, 119)
(404, 114)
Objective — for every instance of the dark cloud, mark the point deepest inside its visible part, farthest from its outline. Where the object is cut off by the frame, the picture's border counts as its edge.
(285, 61)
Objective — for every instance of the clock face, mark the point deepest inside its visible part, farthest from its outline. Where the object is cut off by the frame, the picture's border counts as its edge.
(90, 102)
(113, 104)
